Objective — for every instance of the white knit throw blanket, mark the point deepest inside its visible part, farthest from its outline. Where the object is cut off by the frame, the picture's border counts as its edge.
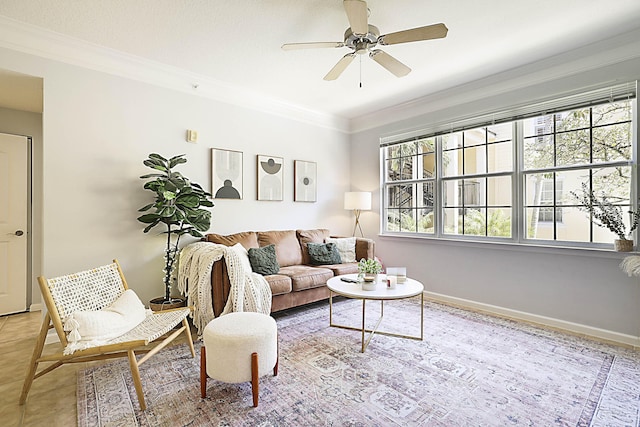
(249, 291)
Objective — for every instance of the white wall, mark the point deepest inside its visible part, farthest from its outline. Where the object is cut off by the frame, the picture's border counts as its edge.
(575, 289)
(97, 130)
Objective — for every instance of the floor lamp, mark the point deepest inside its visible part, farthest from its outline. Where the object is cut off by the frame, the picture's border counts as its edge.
(357, 201)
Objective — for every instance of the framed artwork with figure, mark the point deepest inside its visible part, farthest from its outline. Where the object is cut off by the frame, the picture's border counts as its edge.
(226, 174)
(304, 184)
(270, 177)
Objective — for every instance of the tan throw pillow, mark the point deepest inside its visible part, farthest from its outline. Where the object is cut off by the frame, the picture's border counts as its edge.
(346, 247)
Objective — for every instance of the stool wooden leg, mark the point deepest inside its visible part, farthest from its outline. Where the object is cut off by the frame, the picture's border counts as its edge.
(254, 378)
(203, 372)
(275, 368)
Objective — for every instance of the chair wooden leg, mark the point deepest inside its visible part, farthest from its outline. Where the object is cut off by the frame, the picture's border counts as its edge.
(37, 352)
(135, 373)
(203, 372)
(254, 378)
(187, 330)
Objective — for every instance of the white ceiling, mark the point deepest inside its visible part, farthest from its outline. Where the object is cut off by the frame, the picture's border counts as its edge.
(237, 42)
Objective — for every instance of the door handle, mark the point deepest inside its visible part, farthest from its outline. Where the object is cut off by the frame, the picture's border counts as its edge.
(19, 233)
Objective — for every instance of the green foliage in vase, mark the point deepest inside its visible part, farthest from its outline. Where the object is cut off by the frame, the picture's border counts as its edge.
(179, 206)
(604, 213)
(370, 266)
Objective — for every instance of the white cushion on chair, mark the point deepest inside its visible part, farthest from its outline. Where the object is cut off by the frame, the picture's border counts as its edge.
(124, 314)
(231, 339)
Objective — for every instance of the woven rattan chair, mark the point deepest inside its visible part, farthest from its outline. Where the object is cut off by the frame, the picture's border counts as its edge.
(93, 290)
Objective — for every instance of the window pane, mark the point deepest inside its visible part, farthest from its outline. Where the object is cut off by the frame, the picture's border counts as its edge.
(406, 168)
(615, 112)
(536, 229)
(570, 182)
(537, 126)
(453, 221)
(499, 222)
(425, 221)
(538, 152)
(575, 226)
(475, 160)
(393, 220)
(475, 222)
(452, 192)
(427, 145)
(499, 191)
(573, 148)
(473, 192)
(400, 196)
(452, 140)
(428, 165)
(407, 220)
(393, 169)
(501, 132)
(612, 143)
(475, 137)
(452, 162)
(576, 119)
(426, 192)
(500, 157)
(615, 183)
(393, 151)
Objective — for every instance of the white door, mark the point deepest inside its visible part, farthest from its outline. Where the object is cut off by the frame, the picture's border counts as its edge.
(13, 222)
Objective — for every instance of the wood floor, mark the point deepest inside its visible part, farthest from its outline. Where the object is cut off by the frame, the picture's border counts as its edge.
(52, 399)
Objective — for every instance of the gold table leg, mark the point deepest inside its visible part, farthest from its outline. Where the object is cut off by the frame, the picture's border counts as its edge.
(375, 330)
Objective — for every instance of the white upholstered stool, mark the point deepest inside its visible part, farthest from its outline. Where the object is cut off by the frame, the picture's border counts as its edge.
(239, 347)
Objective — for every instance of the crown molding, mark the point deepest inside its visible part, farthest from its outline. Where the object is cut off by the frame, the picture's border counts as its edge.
(568, 65)
(33, 40)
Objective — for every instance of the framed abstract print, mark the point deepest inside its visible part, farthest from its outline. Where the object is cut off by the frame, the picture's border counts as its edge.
(226, 174)
(304, 184)
(270, 177)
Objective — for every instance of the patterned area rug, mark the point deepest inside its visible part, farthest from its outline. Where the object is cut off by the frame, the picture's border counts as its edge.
(470, 370)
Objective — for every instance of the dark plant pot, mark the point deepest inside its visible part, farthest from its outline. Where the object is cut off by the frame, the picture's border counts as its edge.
(159, 304)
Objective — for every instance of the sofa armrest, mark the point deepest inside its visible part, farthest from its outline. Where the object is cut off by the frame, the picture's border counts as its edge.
(365, 248)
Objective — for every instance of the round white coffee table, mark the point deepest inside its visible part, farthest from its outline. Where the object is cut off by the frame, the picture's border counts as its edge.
(410, 288)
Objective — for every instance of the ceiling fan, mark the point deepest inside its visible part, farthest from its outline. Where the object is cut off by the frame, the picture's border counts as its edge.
(362, 37)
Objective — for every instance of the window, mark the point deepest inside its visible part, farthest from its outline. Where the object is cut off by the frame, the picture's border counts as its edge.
(514, 180)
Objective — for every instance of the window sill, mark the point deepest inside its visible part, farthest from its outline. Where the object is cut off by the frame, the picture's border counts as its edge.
(525, 247)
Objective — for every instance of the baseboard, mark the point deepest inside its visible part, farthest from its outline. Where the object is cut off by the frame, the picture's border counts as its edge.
(35, 307)
(557, 324)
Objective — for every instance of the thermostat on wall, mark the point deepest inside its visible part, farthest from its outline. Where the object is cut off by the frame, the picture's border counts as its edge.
(192, 135)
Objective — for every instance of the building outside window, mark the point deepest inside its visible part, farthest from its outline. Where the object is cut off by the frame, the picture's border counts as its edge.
(467, 183)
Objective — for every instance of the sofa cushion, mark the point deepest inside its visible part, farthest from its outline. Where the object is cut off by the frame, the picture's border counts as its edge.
(279, 284)
(346, 246)
(345, 268)
(306, 277)
(288, 250)
(248, 239)
(310, 236)
(263, 260)
(323, 253)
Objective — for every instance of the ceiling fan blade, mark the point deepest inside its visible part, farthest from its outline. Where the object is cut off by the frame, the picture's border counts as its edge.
(311, 45)
(390, 63)
(340, 66)
(358, 15)
(435, 31)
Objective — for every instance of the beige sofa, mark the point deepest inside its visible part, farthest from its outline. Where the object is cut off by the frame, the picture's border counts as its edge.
(297, 282)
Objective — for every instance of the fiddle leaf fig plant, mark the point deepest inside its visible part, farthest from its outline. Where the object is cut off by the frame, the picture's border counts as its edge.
(179, 207)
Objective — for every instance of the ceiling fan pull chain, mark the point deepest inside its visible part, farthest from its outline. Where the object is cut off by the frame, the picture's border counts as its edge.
(360, 71)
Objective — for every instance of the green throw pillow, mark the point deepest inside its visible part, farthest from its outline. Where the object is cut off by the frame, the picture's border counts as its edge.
(263, 260)
(323, 253)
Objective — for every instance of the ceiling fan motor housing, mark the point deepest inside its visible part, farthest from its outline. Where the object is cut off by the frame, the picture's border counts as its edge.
(361, 43)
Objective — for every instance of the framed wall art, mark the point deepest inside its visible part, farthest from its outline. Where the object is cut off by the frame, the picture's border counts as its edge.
(270, 177)
(226, 174)
(304, 184)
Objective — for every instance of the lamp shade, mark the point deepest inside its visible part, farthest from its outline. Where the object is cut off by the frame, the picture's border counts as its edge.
(360, 200)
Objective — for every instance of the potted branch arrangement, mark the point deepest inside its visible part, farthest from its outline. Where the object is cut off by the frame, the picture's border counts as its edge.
(606, 214)
(368, 270)
(179, 208)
